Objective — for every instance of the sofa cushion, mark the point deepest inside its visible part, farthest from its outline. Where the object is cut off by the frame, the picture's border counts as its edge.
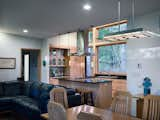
(26, 102)
(45, 90)
(9, 86)
(4, 100)
(26, 88)
(44, 98)
(34, 90)
(1, 89)
(27, 107)
(6, 103)
(46, 87)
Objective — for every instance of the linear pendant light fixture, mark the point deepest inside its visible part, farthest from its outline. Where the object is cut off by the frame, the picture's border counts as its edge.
(128, 34)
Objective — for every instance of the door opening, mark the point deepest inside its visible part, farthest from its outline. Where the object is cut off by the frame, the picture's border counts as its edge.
(31, 64)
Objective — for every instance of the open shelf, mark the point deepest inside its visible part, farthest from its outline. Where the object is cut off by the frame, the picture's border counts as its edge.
(59, 62)
(57, 65)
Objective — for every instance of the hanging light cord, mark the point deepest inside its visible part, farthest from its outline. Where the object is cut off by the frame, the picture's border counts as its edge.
(119, 13)
(133, 13)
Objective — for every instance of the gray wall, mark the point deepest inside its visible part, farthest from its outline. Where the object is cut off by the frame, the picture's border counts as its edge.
(10, 46)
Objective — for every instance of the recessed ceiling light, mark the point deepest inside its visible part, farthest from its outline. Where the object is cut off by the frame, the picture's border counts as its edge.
(25, 30)
(87, 7)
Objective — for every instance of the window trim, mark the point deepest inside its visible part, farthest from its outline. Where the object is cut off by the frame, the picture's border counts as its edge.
(97, 43)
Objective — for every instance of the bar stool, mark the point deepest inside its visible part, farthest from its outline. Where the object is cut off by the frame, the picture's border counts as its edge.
(86, 96)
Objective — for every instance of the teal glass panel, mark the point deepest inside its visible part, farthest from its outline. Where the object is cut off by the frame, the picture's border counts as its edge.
(108, 30)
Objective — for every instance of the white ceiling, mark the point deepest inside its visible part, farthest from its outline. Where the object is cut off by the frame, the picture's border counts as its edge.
(45, 18)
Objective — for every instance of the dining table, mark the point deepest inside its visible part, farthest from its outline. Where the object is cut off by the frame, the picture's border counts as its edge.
(105, 113)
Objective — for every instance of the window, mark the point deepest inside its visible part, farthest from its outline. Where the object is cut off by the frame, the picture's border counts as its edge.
(112, 58)
(89, 63)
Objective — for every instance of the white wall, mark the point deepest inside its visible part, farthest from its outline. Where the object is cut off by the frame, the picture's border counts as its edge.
(143, 60)
(146, 53)
(10, 46)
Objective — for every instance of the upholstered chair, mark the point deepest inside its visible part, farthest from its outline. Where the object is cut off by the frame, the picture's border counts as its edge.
(59, 95)
(56, 111)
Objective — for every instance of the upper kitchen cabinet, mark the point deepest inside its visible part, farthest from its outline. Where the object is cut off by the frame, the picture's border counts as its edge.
(55, 42)
(73, 42)
(64, 41)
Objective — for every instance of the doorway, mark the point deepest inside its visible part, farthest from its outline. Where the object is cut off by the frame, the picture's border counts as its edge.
(31, 64)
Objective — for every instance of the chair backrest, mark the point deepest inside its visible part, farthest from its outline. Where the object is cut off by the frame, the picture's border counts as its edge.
(56, 111)
(122, 102)
(59, 95)
(89, 116)
(151, 109)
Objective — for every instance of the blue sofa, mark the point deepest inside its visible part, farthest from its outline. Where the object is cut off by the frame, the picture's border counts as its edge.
(30, 99)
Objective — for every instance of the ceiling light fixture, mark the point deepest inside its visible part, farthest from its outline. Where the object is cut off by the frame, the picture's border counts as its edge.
(25, 30)
(87, 7)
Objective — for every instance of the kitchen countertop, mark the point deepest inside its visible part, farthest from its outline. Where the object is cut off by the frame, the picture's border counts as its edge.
(86, 80)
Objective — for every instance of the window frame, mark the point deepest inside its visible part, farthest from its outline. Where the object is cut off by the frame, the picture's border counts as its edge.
(97, 43)
(108, 73)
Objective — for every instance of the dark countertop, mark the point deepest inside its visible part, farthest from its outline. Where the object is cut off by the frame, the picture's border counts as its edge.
(86, 80)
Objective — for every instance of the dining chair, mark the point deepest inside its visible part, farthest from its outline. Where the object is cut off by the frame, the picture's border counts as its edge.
(89, 116)
(59, 95)
(151, 109)
(56, 111)
(122, 102)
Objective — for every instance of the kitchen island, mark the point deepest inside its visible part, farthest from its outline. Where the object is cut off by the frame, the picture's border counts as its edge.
(101, 89)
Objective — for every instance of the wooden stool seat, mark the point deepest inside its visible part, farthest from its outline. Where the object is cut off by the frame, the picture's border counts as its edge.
(86, 96)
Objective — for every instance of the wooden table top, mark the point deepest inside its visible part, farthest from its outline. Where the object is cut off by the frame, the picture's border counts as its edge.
(107, 114)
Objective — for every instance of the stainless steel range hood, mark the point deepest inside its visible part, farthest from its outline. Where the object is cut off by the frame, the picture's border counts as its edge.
(82, 44)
